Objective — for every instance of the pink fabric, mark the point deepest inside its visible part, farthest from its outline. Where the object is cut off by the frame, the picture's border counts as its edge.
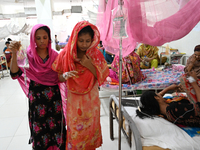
(63, 91)
(24, 86)
(152, 22)
(182, 3)
(53, 148)
(113, 75)
(178, 67)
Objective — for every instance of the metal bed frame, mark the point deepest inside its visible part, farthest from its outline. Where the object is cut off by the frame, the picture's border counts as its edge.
(132, 129)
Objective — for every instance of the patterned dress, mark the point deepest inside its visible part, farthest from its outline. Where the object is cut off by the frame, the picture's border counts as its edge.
(83, 120)
(46, 120)
(83, 103)
(131, 72)
(183, 112)
(148, 51)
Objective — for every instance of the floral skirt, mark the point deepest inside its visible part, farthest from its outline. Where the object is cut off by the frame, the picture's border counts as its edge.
(46, 120)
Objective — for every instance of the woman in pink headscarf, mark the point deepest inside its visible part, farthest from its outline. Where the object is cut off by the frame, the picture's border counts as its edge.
(45, 104)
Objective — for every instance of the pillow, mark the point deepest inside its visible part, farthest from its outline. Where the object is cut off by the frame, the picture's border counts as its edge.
(162, 133)
(178, 67)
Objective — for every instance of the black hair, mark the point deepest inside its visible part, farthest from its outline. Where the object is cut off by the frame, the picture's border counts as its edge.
(45, 28)
(9, 39)
(101, 43)
(7, 42)
(150, 106)
(197, 48)
(85, 30)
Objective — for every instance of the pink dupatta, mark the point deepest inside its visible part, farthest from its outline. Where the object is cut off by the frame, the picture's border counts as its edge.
(38, 71)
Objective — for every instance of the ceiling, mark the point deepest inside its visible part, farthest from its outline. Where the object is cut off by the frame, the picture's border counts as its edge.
(26, 8)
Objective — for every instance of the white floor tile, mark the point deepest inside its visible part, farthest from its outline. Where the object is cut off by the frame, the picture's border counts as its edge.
(105, 105)
(13, 110)
(7, 91)
(4, 99)
(107, 142)
(23, 128)
(20, 143)
(9, 126)
(104, 120)
(5, 142)
(17, 99)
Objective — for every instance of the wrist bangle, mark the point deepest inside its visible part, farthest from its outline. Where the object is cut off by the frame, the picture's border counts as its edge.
(191, 79)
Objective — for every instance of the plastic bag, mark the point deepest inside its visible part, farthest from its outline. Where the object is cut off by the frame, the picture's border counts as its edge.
(119, 22)
(22, 58)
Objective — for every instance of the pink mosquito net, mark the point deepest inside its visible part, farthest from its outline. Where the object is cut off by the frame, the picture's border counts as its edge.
(152, 22)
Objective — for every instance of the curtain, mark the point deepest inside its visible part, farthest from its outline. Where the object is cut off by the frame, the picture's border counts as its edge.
(152, 22)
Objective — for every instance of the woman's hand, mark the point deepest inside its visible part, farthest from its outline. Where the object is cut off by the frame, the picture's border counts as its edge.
(69, 74)
(193, 59)
(86, 61)
(14, 46)
(180, 88)
(190, 66)
(143, 61)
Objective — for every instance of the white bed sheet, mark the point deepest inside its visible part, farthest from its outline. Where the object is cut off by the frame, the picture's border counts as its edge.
(163, 133)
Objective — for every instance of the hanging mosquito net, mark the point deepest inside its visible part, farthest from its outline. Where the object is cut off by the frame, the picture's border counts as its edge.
(152, 22)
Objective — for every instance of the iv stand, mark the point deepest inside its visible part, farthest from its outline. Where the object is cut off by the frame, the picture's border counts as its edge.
(119, 33)
(120, 93)
(120, 2)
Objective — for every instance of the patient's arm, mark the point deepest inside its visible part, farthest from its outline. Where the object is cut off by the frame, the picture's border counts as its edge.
(194, 85)
(171, 87)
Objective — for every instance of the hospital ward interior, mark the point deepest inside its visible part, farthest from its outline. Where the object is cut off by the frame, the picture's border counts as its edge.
(150, 95)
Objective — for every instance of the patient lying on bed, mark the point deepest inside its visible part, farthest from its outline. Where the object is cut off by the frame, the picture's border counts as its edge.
(184, 111)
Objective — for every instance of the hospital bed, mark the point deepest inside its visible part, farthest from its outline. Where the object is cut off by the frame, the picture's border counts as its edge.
(133, 127)
(156, 79)
(149, 134)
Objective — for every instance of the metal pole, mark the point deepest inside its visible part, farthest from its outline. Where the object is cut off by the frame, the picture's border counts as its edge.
(120, 2)
(120, 92)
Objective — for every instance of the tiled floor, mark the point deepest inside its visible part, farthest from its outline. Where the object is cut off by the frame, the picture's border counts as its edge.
(14, 129)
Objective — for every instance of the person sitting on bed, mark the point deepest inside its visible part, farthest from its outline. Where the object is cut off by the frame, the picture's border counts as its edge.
(183, 111)
(193, 62)
(131, 72)
(150, 55)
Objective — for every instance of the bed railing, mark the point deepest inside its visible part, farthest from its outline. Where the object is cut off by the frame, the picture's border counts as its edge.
(132, 129)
